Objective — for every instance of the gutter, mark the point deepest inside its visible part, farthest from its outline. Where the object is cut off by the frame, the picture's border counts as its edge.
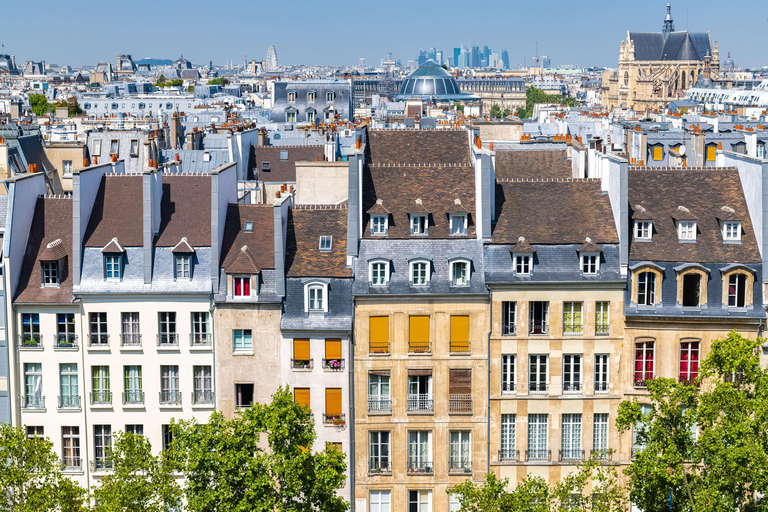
(488, 429)
(351, 372)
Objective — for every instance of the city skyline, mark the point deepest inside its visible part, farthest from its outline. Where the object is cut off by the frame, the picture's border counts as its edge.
(577, 38)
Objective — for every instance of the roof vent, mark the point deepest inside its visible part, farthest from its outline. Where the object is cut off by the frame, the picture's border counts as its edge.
(640, 208)
(589, 240)
(418, 201)
(55, 243)
(726, 209)
(457, 201)
(520, 239)
(683, 209)
(379, 201)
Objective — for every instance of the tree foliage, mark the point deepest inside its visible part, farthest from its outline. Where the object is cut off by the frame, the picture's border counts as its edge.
(534, 95)
(496, 111)
(704, 450)
(72, 106)
(39, 104)
(30, 475)
(218, 81)
(228, 469)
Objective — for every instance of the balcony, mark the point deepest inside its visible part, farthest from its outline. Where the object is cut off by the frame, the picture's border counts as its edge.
(538, 455)
(101, 464)
(69, 402)
(419, 347)
(338, 420)
(420, 403)
(571, 454)
(459, 346)
(132, 340)
(71, 464)
(509, 455)
(572, 388)
(65, 340)
(381, 466)
(604, 454)
(170, 397)
(379, 348)
(302, 364)
(538, 388)
(133, 397)
(32, 402)
(199, 340)
(333, 364)
(379, 405)
(98, 340)
(101, 397)
(459, 466)
(30, 341)
(202, 397)
(419, 467)
(601, 387)
(168, 340)
(601, 330)
(508, 388)
(508, 329)
(641, 380)
(460, 404)
(539, 328)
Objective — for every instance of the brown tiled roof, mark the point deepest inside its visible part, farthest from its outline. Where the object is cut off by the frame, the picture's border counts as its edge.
(117, 212)
(400, 186)
(378, 208)
(727, 213)
(446, 147)
(640, 212)
(183, 247)
(683, 213)
(283, 171)
(590, 246)
(704, 192)
(185, 210)
(51, 221)
(113, 246)
(260, 241)
(53, 251)
(549, 164)
(553, 212)
(306, 224)
(242, 263)
(522, 247)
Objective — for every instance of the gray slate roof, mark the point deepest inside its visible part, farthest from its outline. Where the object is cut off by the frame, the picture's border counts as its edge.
(338, 317)
(682, 45)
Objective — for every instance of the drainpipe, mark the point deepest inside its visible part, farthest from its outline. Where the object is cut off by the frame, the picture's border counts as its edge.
(488, 393)
(351, 373)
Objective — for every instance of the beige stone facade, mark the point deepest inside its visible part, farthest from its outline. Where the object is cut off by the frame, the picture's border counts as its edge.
(60, 152)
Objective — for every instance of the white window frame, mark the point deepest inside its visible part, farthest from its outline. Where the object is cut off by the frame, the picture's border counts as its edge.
(686, 230)
(602, 308)
(538, 434)
(508, 436)
(250, 287)
(377, 262)
(424, 497)
(242, 349)
(97, 147)
(590, 263)
(649, 289)
(508, 374)
(602, 373)
(569, 307)
(462, 438)
(412, 272)
(573, 373)
(732, 232)
(113, 261)
(379, 228)
(458, 225)
(291, 95)
(571, 435)
(523, 264)
(419, 225)
(330, 96)
(735, 295)
(326, 243)
(380, 500)
(315, 287)
(600, 434)
(467, 271)
(50, 273)
(509, 318)
(66, 167)
(643, 228)
(535, 372)
(183, 266)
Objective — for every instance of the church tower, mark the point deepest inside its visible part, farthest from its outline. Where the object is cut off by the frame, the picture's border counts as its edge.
(669, 25)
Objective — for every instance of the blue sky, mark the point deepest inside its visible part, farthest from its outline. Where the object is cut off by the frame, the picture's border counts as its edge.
(340, 31)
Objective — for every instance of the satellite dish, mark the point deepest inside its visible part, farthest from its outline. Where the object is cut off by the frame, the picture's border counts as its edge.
(682, 150)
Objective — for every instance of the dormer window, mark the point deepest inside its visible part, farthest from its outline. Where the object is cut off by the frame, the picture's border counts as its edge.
(418, 224)
(646, 289)
(379, 224)
(686, 230)
(248, 226)
(311, 96)
(112, 264)
(643, 230)
(420, 272)
(316, 297)
(291, 96)
(460, 273)
(330, 96)
(241, 286)
(732, 231)
(183, 266)
(326, 242)
(523, 264)
(50, 273)
(737, 290)
(379, 273)
(50, 259)
(458, 225)
(589, 263)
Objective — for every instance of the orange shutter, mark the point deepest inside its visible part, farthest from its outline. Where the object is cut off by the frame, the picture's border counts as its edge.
(333, 402)
(379, 334)
(459, 333)
(657, 153)
(711, 153)
(301, 396)
(333, 348)
(419, 334)
(301, 349)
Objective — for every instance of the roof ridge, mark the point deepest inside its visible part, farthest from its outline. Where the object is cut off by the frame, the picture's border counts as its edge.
(542, 180)
(320, 206)
(667, 168)
(285, 146)
(55, 196)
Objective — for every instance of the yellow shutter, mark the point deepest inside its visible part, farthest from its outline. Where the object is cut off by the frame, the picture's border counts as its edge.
(301, 349)
(379, 334)
(333, 402)
(419, 334)
(657, 153)
(711, 153)
(333, 348)
(460, 333)
(301, 396)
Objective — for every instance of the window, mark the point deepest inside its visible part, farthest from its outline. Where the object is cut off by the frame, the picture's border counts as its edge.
(686, 230)
(381, 501)
(379, 273)
(572, 319)
(600, 435)
(643, 362)
(508, 440)
(130, 329)
(460, 391)
(183, 265)
(523, 264)
(98, 329)
(311, 96)
(537, 437)
(601, 373)
(643, 230)
(102, 442)
(571, 373)
(379, 399)
(66, 166)
(326, 242)
(689, 361)
(241, 340)
(284, 155)
(539, 317)
(639, 431)
(711, 153)
(310, 116)
(135, 429)
(458, 225)
(508, 312)
(33, 386)
(112, 264)
(418, 334)
(646, 288)
(508, 364)
(420, 501)
(290, 116)
(291, 96)
(459, 333)
(602, 309)
(691, 289)
(420, 390)
(243, 395)
(737, 290)
(378, 452)
(419, 451)
(35, 431)
(200, 334)
(69, 388)
(658, 153)
(167, 436)
(460, 273)
(167, 329)
(50, 273)
(202, 385)
(418, 225)
(248, 226)
(169, 385)
(114, 147)
(70, 448)
(316, 298)
(537, 374)
(333, 408)
(301, 353)
(419, 273)
(590, 263)
(30, 330)
(379, 334)
(570, 447)
(134, 147)
(760, 151)
(732, 231)
(379, 224)
(459, 458)
(330, 96)
(242, 286)
(100, 389)
(133, 385)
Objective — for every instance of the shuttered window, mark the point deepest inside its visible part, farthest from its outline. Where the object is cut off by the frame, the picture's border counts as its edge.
(459, 334)
(657, 152)
(333, 402)
(301, 349)
(711, 153)
(419, 334)
(379, 334)
(333, 348)
(301, 396)
(460, 391)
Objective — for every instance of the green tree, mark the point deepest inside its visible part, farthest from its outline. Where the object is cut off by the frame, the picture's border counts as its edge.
(161, 81)
(227, 468)
(30, 475)
(459, 107)
(140, 481)
(175, 83)
(496, 111)
(534, 95)
(704, 450)
(39, 104)
(190, 88)
(594, 488)
(506, 112)
(218, 81)
(530, 495)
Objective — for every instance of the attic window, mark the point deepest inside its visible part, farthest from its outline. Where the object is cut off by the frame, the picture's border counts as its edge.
(418, 224)
(732, 232)
(590, 263)
(50, 273)
(379, 224)
(264, 166)
(686, 230)
(326, 242)
(523, 264)
(206, 157)
(248, 226)
(283, 155)
(643, 230)
(458, 225)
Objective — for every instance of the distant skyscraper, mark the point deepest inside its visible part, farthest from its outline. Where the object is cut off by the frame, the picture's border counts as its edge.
(545, 62)
(271, 63)
(486, 53)
(456, 52)
(439, 57)
(493, 60)
(463, 61)
(474, 57)
(422, 57)
(505, 59)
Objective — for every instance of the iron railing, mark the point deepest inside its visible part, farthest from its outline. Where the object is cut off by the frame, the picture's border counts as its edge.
(202, 396)
(133, 397)
(170, 397)
(69, 401)
(539, 328)
(507, 455)
(420, 403)
(459, 465)
(641, 381)
(101, 464)
(380, 465)
(334, 419)
(199, 339)
(603, 454)
(33, 402)
(508, 387)
(378, 347)
(459, 346)
(571, 387)
(30, 341)
(302, 364)
(379, 405)
(71, 463)
(419, 347)
(333, 364)
(538, 388)
(460, 403)
(101, 397)
(538, 455)
(571, 454)
(168, 340)
(130, 339)
(601, 329)
(419, 466)
(601, 387)
(65, 340)
(98, 340)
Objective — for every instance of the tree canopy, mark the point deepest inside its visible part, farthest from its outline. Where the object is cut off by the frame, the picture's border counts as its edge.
(534, 95)
(39, 104)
